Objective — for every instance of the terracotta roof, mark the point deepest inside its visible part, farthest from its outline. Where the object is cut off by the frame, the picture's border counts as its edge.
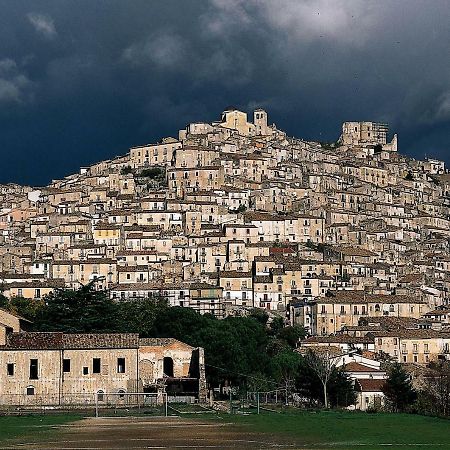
(58, 340)
(234, 274)
(357, 367)
(91, 340)
(338, 339)
(361, 297)
(369, 385)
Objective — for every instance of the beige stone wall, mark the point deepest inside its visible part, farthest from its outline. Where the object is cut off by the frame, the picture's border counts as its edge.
(108, 380)
(13, 389)
(9, 320)
(180, 353)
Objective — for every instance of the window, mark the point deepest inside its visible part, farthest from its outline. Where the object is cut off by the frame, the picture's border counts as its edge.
(33, 369)
(121, 393)
(66, 365)
(85, 370)
(10, 369)
(100, 395)
(30, 390)
(96, 365)
(168, 366)
(120, 365)
(377, 308)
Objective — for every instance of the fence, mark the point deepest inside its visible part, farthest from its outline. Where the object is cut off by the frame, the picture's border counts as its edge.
(123, 403)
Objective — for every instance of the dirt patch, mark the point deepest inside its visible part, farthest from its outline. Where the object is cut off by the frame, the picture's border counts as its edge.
(152, 433)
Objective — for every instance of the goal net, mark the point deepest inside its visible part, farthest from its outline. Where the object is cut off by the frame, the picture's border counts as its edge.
(130, 403)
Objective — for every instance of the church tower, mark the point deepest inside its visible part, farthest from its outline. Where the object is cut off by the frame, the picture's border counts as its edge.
(260, 121)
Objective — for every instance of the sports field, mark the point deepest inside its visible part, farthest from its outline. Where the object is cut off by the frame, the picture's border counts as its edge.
(294, 430)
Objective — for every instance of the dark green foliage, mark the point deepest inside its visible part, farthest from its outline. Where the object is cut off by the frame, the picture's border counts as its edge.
(140, 315)
(434, 398)
(291, 335)
(378, 148)
(3, 301)
(340, 387)
(260, 315)
(329, 145)
(398, 389)
(82, 310)
(126, 170)
(243, 351)
(153, 173)
(409, 176)
(241, 209)
(25, 307)
(234, 347)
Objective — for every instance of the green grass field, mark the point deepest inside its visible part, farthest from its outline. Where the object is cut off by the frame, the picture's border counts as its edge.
(31, 425)
(289, 429)
(351, 429)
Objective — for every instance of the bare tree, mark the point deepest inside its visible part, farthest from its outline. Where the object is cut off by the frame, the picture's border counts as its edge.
(323, 364)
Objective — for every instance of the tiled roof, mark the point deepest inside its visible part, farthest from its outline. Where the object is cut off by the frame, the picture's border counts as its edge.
(89, 341)
(370, 385)
(361, 297)
(58, 340)
(357, 367)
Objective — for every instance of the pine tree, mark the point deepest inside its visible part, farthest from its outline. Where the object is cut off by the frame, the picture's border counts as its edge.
(398, 389)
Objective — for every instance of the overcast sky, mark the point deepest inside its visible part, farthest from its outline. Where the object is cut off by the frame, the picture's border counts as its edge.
(83, 80)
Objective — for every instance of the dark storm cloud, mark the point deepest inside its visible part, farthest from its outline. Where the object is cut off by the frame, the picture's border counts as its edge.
(84, 80)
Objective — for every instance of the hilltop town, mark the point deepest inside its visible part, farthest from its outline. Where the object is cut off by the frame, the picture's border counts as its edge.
(349, 239)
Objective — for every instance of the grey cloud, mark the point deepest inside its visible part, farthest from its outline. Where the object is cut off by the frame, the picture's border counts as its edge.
(43, 24)
(14, 86)
(163, 49)
(108, 75)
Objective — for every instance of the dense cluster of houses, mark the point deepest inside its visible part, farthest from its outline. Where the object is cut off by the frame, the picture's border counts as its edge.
(349, 239)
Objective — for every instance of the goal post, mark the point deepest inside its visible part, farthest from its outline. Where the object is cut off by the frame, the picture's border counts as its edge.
(130, 403)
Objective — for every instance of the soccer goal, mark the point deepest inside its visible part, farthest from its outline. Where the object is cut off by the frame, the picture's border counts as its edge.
(130, 403)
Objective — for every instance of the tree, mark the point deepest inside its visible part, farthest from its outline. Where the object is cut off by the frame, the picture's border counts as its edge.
(139, 315)
(3, 301)
(435, 397)
(25, 307)
(152, 172)
(398, 389)
(84, 310)
(286, 365)
(126, 170)
(292, 334)
(323, 365)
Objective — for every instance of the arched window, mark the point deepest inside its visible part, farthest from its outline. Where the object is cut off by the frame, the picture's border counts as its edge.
(100, 395)
(377, 308)
(30, 390)
(121, 393)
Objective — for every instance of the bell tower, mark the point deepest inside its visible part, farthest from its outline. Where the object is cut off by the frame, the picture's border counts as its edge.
(260, 121)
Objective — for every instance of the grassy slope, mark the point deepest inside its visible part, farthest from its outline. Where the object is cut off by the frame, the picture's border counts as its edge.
(31, 425)
(352, 430)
